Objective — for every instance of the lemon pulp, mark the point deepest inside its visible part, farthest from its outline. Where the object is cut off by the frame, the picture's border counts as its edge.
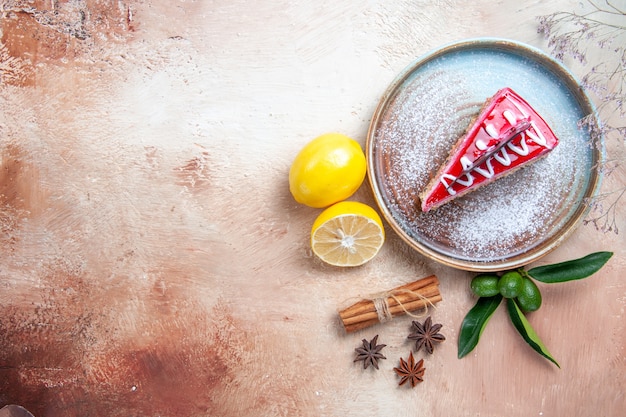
(348, 233)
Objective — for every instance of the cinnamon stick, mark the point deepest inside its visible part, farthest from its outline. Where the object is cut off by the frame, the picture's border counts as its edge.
(400, 300)
(404, 294)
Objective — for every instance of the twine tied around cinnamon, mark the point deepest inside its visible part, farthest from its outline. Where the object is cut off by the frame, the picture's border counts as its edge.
(382, 305)
(385, 306)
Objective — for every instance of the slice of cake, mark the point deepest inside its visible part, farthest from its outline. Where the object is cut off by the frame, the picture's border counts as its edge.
(507, 135)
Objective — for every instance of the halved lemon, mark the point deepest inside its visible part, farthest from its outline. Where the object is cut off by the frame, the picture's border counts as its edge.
(348, 233)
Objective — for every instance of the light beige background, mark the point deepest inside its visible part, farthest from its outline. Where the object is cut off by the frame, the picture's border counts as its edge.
(154, 263)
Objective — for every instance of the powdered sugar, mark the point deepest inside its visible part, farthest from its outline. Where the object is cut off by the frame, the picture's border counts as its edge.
(424, 118)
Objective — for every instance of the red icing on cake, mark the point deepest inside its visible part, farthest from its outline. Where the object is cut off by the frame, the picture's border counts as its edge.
(502, 116)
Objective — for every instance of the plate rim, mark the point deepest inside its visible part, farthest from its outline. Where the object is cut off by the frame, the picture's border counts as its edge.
(580, 96)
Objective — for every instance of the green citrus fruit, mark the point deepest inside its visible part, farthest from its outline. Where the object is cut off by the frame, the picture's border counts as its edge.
(529, 298)
(510, 284)
(485, 285)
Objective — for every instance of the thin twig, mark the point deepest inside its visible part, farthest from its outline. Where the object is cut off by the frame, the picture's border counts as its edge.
(575, 35)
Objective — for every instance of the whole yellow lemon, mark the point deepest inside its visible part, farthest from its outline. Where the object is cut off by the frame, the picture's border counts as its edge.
(327, 170)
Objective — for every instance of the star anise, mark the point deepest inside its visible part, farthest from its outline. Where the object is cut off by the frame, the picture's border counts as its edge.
(426, 334)
(370, 353)
(410, 371)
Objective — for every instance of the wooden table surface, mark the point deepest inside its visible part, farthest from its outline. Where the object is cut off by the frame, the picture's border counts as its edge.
(154, 263)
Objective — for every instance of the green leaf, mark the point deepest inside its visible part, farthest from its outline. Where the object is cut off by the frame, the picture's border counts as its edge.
(571, 270)
(474, 323)
(525, 329)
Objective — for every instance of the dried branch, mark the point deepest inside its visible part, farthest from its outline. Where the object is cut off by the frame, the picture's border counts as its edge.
(577, 36)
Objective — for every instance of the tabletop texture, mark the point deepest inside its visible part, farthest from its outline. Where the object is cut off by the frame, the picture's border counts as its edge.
(154, 263)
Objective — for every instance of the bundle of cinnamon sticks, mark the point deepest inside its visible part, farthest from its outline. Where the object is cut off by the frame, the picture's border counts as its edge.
(400, 300)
